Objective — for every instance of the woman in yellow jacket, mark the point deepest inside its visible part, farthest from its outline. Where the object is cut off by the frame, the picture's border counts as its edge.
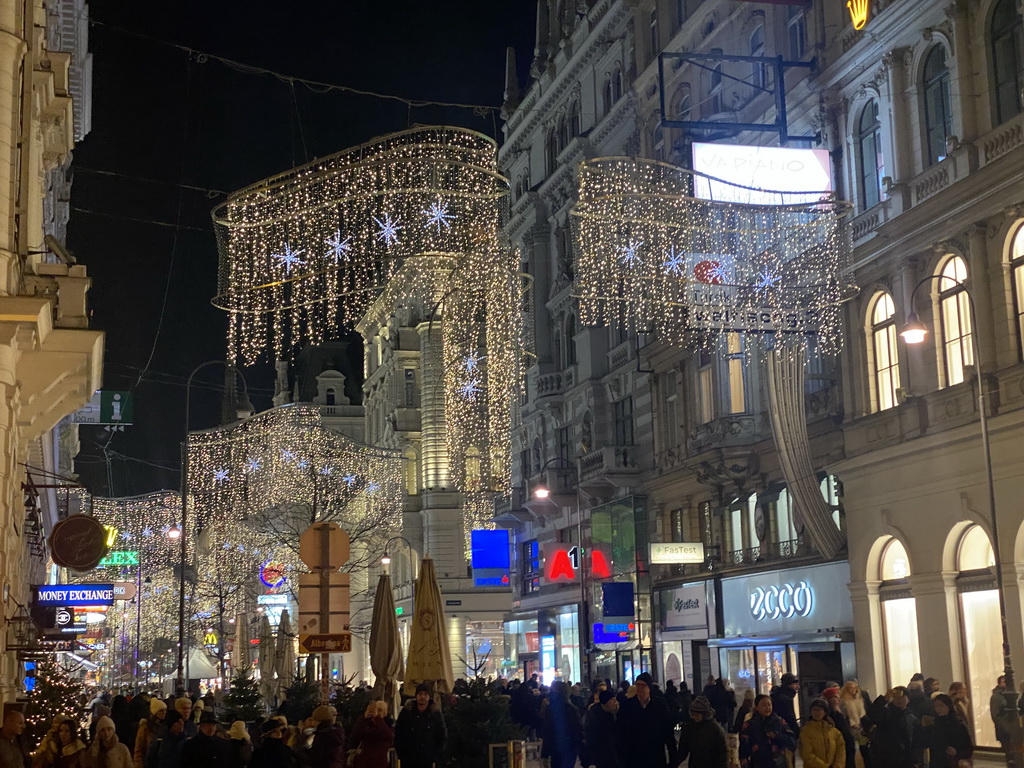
(821, 743)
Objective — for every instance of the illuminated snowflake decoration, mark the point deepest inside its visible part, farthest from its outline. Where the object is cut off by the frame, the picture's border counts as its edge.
(289, 258)
(147, 532)
(350, 480)
(720, 273)
(302, 463)
(338, 247)
(765, 281)
(288, 455)
(472, 363)
(221, 475)
(253, 465)
(389, 229)
(372, 488)
(470, 389)
(674, 262)
(437, 215)
(628, 253)
(327, 471)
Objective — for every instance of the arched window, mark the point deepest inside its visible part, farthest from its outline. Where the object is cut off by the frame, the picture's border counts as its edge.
(330, 396)
(938, 108)
(570, 340)
(885, 362)
(606, 96)
(683, 102)
(551, 151)
(658, 141)
(759, 69)
(1017, 265)
(1007, 35)
(955, 320)
(899, 615)
(715, 85)
(563, 134)
(979, 608)
(575, 119)
(870, 164)
(617, 85)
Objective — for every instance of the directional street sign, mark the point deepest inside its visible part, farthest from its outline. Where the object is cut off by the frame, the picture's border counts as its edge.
(340, 642)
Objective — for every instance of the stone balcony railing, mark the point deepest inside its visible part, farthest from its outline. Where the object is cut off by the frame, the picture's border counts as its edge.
(607, 461)
(555, 383)
(779, 550)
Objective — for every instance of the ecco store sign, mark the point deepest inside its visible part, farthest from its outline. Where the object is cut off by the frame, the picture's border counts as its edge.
(794, 600)
(786, 600)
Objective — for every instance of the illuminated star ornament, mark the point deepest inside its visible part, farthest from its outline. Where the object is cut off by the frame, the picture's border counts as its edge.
(674, 262)
(288, 455)
(338, 247)
(766, 280)
(373, 487)
(327, 471)
(350, 480)
(437, 215)
(289, 258)
(472, 363)
(389, 229)
(221, 475)
(302, 463)
(470, 389)
(253, 465)
(629, 254)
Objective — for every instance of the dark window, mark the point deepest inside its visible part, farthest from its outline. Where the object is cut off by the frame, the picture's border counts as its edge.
(524, 463)
(1007, 34)
(565, 443)
(680, 13)
(575, 119)
(938, 111)
(655, 47)
(551, 151)
(759, 70)
(570, 340)
(869, 156)
(330, 396)
(531, 567)
(623, 410)
(606, 93)
(797, 26)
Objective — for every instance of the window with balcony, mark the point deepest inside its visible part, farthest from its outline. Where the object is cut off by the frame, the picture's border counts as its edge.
(623, 417)
(785, 520)
(797, 27)
(670, 393)
(884, 354)
(870, 163)
(938, 107)
(955, 320)
(1006, 33)
(715, 87)
(735, 363)
(741, 528)
(1017, 266)
(570, 340)
(706, 391)
(530, 563)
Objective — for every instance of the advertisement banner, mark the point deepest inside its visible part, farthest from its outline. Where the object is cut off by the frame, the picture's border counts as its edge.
(685, 608)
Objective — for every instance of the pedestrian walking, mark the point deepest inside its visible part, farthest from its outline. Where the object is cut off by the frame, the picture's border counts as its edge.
(601, 734)
(206, 749)
(241, 743)
(893, 734)
(1001, 713)
(831, 695)
(420, 733)
(183, 706)
(685, 698)
(646, 731)
(784, 700)
(166, 749)
(745, 710)
(560, 730)
(106, 751)
(273, 752)
(148, 731)
(821, 743)
(765, 738)
(67, 749)
(49, 746)
(945, 734)
(702, 739)
(328, 747)
(373, 735)
(723, 701)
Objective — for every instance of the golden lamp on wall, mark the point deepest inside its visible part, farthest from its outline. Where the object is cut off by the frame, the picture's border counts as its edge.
(858, 12)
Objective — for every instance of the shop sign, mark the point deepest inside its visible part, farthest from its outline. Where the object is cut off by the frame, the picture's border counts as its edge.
(789, 600)
(858, 12)
(490, 558)
(562, 563)
(686, 607)
(78, 542)
(613, 633)
(120, 557)
(675, 552)
(75, 594)
(272, 574)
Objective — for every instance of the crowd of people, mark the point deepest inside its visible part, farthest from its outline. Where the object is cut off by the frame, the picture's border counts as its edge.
(146, 731)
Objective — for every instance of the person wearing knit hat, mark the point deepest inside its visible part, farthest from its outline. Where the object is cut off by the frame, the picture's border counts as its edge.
(703, 740)
(106, 751)
(328, 747)
(183, 706)
(148, 731)
(420, 731)
(841, 722)
(601, 734)
(821, 743)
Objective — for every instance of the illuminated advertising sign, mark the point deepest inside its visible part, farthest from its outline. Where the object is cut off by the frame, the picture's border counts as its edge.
(666, 552)
(272, 574)
(562, 563)
(751, 174)
(605, 634)
(68, 595)
(859, 10)
(273, 606)
(490, 558)
(120, 557)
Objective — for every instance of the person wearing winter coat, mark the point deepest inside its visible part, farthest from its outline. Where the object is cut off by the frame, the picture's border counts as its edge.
(745, 709)
(958, 693)
(702, 739)
(165, 752)
(560, 729)
(685, 699)
(601, 735)
(328, 747)
(272, 751)
(420, 733)
(724, 703)
(946, 735)
(783, 701)
(241, 743)
(821, 743)
(765, 737)
(106, 751)
(373, 735)
(206, 749)
(838, 717)
(62, 749)
(893, 736)
(646, 730)
(48, 751)
(149, 731)
(999, 710)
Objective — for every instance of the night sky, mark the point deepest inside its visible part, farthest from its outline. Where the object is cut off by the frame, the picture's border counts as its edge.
(174, 131)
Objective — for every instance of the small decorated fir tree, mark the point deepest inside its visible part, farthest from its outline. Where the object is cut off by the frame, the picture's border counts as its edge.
(55, 693)
(243, 700)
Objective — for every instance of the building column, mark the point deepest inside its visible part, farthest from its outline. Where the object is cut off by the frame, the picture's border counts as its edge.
(902, 147)
(457, 645)
(867, 617)
(434, 439)
(957, 13)
(939, 617)
(1013, 580)
(981, 288)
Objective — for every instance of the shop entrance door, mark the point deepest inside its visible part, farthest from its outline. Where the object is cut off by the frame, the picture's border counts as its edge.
(817, 664)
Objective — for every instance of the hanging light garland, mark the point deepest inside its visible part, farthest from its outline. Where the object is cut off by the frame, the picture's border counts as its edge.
(655, 257)
(411, 218)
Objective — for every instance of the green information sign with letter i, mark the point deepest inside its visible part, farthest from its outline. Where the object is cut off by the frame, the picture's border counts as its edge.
(120, 557)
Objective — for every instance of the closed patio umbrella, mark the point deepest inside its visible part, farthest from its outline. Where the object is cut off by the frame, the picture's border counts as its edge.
(241, 657)
(284, 662)
(267, 658)
(429, 659)
(386, 646)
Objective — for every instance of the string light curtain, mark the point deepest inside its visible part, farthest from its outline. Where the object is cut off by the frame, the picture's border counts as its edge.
(414, 216)
(655, 257)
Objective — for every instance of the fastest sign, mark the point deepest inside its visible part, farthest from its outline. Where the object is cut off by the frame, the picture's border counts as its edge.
(69, 595)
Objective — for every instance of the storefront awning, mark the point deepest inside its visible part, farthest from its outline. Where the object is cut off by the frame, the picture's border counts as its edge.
(788, 638)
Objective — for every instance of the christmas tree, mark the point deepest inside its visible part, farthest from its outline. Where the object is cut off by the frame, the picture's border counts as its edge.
(55, 693)
(243, 700)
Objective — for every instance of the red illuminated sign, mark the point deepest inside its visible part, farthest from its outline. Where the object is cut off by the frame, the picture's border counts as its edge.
(562, 563)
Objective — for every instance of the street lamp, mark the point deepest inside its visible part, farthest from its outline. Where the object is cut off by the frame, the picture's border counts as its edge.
(544, 493)
(914, 332)
(245, 409)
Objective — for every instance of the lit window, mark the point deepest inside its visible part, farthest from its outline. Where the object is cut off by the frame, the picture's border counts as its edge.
(870, 163)
(938, 109)
(975, 552)
(1017, 264)
(706, 385)
(735, 363)
(895, 563)
(1007, 35)
(884, 352)
(955, 311)
(899, 615)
